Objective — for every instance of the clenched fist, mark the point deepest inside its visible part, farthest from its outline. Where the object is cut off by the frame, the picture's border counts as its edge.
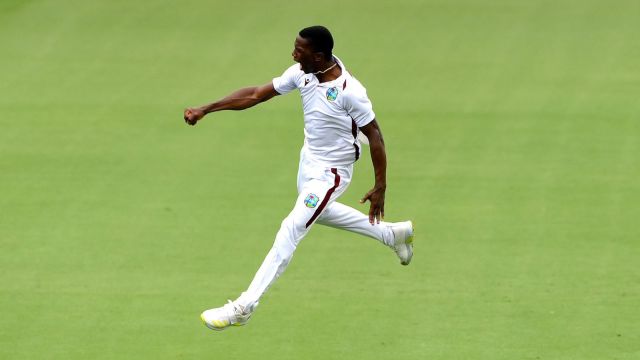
(193, 115)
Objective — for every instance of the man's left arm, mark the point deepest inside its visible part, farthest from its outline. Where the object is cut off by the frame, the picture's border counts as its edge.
(379, 159)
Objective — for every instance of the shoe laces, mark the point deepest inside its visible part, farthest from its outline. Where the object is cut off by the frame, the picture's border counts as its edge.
(236, 308)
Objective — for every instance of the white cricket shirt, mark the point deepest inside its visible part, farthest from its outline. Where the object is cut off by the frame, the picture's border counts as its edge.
(333, 113)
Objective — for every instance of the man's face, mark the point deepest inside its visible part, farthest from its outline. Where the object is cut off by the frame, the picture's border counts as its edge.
(303, 54)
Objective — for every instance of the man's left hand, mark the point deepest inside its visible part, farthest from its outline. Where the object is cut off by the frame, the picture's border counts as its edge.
(376, 209)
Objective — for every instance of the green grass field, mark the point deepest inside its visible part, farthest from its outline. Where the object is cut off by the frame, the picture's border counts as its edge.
(513, 137)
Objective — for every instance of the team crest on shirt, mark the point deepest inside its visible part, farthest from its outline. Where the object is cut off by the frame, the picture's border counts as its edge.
(311, 200)
(332, 93)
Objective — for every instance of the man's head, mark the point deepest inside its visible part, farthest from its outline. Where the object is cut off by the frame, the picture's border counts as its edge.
(313, 47)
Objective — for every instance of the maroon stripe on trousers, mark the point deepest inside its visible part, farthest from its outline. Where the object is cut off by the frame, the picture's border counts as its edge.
(324, 202)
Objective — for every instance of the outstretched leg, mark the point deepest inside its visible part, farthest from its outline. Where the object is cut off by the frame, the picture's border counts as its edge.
(316, 195)
(398, 236)
(344, 217)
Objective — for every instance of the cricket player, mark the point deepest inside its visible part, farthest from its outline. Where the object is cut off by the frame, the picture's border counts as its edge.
(336, 109)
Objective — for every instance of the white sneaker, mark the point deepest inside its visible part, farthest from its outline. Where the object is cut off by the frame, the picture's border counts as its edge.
(231, 314)
(403, 241)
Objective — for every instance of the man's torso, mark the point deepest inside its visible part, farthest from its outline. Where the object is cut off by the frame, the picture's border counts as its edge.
(333, 112)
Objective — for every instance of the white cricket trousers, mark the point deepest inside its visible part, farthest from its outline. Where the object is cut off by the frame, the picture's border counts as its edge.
(318, 188)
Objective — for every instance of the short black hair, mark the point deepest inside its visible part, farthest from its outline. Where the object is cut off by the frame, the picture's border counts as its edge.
(320, 40)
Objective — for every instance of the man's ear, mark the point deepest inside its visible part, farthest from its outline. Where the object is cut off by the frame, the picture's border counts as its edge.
(318, 56)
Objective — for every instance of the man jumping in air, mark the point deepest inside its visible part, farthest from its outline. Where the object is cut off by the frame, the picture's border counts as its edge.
(336, 109)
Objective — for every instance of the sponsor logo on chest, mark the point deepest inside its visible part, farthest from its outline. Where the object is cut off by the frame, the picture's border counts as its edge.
(332, 93)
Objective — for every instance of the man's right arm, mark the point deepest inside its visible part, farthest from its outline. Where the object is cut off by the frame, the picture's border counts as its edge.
(238, 100)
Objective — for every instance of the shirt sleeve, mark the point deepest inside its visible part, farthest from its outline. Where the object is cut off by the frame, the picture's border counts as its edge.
(359, 107)
(288, 81)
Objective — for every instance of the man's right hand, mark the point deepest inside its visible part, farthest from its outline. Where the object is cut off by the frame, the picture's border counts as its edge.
(193, 115)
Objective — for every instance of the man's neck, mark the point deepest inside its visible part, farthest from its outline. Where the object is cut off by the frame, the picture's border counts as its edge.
(333, 73)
